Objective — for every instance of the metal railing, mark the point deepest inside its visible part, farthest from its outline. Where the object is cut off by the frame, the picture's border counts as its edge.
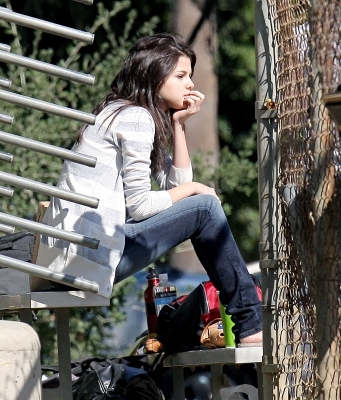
(9, 223)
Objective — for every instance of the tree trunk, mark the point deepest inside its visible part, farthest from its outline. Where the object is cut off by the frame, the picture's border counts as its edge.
(196, 20)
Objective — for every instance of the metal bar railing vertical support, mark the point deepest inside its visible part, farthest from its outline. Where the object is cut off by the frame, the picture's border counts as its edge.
(268, 203)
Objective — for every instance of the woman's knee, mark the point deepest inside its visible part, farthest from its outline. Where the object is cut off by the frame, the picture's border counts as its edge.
(211, 207)
(208, 200)
(211, 203)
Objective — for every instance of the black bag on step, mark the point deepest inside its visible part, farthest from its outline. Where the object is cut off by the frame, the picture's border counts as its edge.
(180, 324)
(19, 246)
(123, 378)
(116, 381)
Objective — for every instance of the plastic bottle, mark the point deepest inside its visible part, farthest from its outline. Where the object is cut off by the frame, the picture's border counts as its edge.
(152, 281)
(164, 292)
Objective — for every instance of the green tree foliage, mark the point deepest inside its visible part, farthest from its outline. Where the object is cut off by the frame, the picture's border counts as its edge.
(236, 175)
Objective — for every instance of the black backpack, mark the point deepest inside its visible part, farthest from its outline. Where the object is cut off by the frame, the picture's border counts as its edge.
(19, 246)
(116, 381)
(180, 324)
(123, 378)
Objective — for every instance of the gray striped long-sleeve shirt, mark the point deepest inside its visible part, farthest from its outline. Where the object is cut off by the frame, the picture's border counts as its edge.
(121, 180)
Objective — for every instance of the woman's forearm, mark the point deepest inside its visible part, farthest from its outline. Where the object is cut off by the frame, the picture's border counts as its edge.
(180, 151)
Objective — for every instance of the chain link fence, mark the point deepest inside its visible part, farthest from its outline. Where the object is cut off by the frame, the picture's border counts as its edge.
(305, 334)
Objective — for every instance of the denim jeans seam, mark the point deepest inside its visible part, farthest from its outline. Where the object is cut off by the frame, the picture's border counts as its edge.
(250, 332)
(137, 230)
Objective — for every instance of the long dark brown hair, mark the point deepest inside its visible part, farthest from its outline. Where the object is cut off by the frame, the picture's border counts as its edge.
(148, 64)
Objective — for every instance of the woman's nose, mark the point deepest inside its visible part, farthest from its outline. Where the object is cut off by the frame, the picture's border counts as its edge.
(190, 84)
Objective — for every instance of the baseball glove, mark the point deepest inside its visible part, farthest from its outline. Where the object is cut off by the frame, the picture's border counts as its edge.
(213, 335)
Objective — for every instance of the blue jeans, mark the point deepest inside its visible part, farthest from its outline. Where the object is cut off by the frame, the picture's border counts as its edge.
(201, 219)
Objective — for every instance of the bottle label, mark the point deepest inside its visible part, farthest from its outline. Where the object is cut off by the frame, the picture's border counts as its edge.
(163, 295)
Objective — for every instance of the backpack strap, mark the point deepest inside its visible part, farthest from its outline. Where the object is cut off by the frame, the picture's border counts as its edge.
(132, 351)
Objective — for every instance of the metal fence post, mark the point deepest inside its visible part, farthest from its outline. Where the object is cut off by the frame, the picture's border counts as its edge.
(267, 176)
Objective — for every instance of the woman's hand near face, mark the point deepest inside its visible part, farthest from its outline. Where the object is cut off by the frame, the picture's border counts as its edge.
(192, 104)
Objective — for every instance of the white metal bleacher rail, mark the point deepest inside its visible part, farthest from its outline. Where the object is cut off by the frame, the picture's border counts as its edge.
(85, 296)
